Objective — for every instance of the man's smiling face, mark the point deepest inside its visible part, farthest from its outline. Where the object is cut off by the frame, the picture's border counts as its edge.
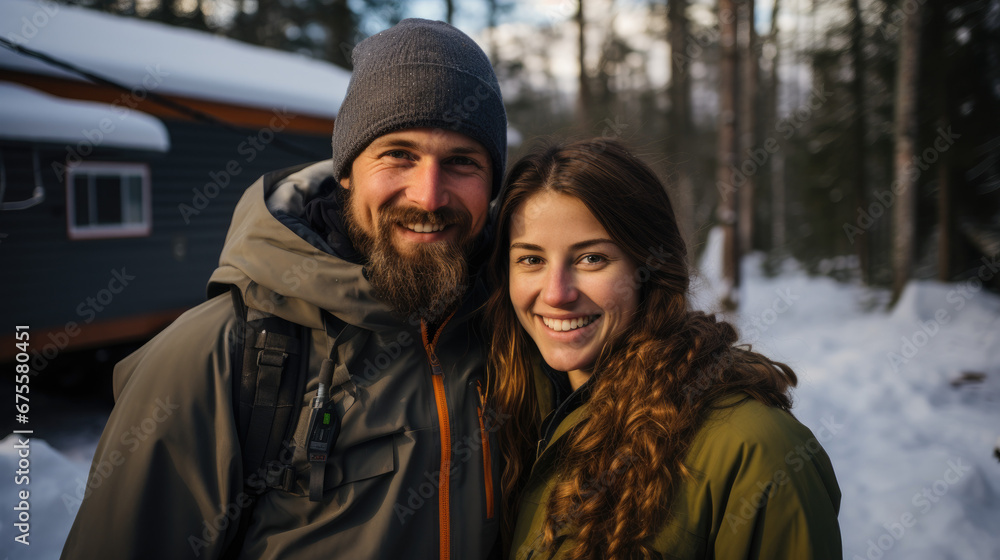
(416, 200)
(432, 185)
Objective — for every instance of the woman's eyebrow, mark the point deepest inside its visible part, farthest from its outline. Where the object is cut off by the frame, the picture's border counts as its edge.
(575, 247)
(525, 246)
(590, 243)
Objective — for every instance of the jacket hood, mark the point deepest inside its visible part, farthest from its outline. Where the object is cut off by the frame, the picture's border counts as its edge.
(282, 266)
(286, 252)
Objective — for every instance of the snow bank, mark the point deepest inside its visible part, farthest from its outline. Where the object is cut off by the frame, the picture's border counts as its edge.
(912, 398)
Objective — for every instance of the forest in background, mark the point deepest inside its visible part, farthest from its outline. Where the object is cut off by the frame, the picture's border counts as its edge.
(861, 137)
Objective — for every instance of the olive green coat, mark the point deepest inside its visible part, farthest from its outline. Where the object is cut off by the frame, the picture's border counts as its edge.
(762, 487)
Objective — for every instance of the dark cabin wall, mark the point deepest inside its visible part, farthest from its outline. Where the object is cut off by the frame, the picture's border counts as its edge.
(48, 280)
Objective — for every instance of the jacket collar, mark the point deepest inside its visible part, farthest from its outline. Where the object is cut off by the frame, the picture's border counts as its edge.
(558, 415)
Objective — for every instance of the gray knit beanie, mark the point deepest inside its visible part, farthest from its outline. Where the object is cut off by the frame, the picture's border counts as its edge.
(419, 74)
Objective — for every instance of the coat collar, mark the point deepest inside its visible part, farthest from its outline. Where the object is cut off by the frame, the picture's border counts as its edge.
(547, 406)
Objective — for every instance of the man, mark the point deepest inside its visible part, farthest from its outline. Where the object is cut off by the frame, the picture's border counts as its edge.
(376, 252)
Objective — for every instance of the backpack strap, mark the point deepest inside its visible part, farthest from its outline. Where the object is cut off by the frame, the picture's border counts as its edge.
(265, 401)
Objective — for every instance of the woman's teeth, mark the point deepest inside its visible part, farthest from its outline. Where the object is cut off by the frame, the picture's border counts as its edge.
(561, 325)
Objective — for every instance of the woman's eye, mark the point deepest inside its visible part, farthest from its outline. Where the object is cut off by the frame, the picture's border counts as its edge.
(530, 260)
(593, 259)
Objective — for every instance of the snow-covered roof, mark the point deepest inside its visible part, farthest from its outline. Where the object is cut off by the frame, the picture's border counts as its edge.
(171, 60)
(30, 115)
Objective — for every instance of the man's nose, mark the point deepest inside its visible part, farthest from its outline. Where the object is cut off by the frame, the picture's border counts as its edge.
(427, 189)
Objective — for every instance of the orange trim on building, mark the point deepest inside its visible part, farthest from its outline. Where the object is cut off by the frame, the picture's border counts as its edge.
(236, 115)
(52, 341)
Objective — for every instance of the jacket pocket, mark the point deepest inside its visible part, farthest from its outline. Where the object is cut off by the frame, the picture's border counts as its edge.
(362, 461)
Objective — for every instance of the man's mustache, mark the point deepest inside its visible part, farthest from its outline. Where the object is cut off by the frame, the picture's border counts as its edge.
(444, 216)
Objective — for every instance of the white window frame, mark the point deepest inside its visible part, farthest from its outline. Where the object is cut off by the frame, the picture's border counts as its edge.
(91, 169)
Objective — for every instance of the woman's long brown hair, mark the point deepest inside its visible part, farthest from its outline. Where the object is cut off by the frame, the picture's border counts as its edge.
(654, 382)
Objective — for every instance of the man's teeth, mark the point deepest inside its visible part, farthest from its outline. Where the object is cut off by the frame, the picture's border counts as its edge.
(561, 325)
(425, 228)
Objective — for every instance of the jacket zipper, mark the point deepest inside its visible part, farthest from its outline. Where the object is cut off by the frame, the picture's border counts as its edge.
(487, 463)
(444, 486)
(551, 422)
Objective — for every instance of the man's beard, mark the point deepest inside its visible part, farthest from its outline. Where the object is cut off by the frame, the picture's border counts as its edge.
(429, 281)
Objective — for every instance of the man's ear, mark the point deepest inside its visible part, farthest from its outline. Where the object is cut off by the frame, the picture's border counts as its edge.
(345, 182)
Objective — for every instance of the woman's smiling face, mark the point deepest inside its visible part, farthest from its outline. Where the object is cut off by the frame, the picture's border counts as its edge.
(571, 286)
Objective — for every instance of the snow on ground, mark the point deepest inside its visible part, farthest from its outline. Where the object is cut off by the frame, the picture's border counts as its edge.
(54, 482)
(892, 396)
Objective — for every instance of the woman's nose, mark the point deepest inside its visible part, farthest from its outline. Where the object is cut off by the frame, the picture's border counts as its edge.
(560, 288)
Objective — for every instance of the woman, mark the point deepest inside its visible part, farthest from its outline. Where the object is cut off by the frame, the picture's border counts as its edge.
(634, 428)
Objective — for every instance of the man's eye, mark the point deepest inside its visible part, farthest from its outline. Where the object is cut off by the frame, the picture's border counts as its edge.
(398, 154)
(462, 160)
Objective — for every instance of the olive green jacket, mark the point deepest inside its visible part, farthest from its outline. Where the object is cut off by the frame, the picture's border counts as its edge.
(762, 487)
(412, 474)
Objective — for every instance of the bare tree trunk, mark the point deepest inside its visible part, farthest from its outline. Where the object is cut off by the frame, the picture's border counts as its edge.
(583, 101)
(491, 22)
(905, 133)
(263, 24)
(449, 10)
(941, 75)
(946, 224)
(859, 132)
(778, 159)
(747, 120)
(341, 25)
(680, 118)
(726, 156)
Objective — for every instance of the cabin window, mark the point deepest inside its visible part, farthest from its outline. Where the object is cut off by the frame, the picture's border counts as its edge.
(106, 199)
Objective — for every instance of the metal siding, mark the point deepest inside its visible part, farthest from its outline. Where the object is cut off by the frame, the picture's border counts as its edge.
(47, 278)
